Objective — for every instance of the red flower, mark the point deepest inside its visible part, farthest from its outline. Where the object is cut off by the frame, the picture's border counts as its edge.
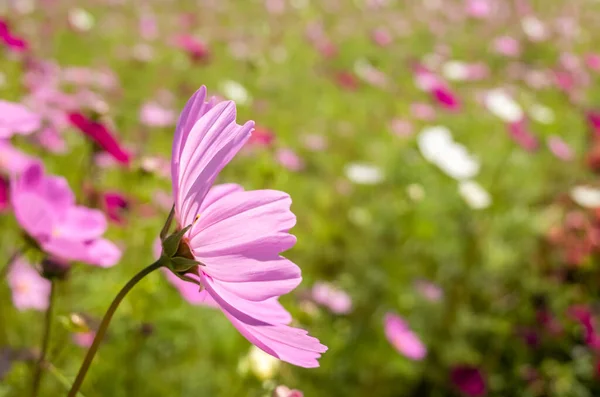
(101, 136)
(261, 137)
(347, 80)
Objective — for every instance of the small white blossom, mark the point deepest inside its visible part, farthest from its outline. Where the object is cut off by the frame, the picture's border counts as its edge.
(586, 196)
(474, 195)
(503, 106)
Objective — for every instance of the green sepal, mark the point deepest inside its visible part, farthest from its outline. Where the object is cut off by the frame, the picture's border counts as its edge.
(171, 243)
(181, 265)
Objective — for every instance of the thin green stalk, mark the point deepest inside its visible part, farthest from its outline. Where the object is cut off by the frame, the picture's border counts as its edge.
(37, 377)
(105, 323)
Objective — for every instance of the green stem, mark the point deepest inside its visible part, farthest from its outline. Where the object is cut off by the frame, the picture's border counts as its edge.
(37, 377)
(105, 323)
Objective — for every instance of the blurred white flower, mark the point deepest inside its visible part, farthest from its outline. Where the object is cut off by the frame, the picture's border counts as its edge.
(235, 92)
(542, 114)
(534, 28)
(456, 70)
(437, 146)
(262, 365)
(364, 174)
(474, 195)
(80, 19)
(415, 192)
(586, 196)
(503, 106)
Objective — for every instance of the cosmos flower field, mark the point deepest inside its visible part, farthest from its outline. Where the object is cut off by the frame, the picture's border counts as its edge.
(286, 198)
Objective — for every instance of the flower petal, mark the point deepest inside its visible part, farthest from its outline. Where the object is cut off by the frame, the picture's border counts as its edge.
(81, 223)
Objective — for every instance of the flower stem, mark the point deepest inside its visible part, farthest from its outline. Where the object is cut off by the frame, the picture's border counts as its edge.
(37, 377)
(105, 322)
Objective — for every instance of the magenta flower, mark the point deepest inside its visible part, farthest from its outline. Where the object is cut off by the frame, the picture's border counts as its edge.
(13, 42)
(335, 299)
(593, 119)
(17, 119)
(436, 87)
(196, 49)
(4, 200)
(521, 134)
(115, 206)
(235, 236)
(403, 338)
(469, 381)
(45, 208)
(29, 289)
(101, 136)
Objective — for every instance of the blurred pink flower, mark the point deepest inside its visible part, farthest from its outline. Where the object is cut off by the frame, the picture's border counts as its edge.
(479, 8)
(436, 87)
(401, 128)
(236, 235)
(45, 208)
(275, 7)
(12, 160)
(593, 119)
(50, 139)
(347, 80)
(196, 49)
(156, 165)
(593, 62)
(17, 119)
(335, 299)
(289, 159)
(84, 339)
(284, 391)
(403, 338)
(154, 115)
(4, 199)
(261, 136)
(521, 134)
(507, 46)
(314, 142)
(429, 291)
(29, 289)
(148, 26)
(13, 42)
(468, 380)
(560, 148)
(101, 136)
(115, 205)
(422, 111)
(381, 37)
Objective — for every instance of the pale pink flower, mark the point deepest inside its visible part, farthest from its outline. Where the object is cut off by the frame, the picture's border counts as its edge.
(593, 61)
(315, 142)
(45, 208)
(335, 299)
(154, 115)
(522, 135)
(403, 338)
(237, 236)
(289, 159)
(284, 391)
(422, 111)
(17, 119)
(381, 37)
(560, 148)
(479, 8)
(84, 339)
(12, 160)
(507, 46)
(401, 128)
(29, 289)
(429, 291)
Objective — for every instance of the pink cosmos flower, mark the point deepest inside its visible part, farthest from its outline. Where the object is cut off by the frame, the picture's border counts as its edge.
(335, 299)
(560, 148)
(45, 208)
(469, 380)
(436, 87)
(593, 61)
(29, 289)
(100, 135)
(593, 119)
(521, 134)
(403, 338)
(289, 159)
(429, 290)
(261, 137)
(154, 115)
(236, 236)
(507, 46)
(13, 42)
(115, 206)
(479, 8)
(4, 200)
(284, 391)
(196, 49)
(84, 339)
(17, 119)
(381, 37)
(12, 160)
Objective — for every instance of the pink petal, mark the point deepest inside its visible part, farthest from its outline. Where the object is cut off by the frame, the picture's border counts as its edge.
(81, 224)
(402, 338)
(17, 119)
(286, 343)
(13, 160)
(29, 289)
(210, 145)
